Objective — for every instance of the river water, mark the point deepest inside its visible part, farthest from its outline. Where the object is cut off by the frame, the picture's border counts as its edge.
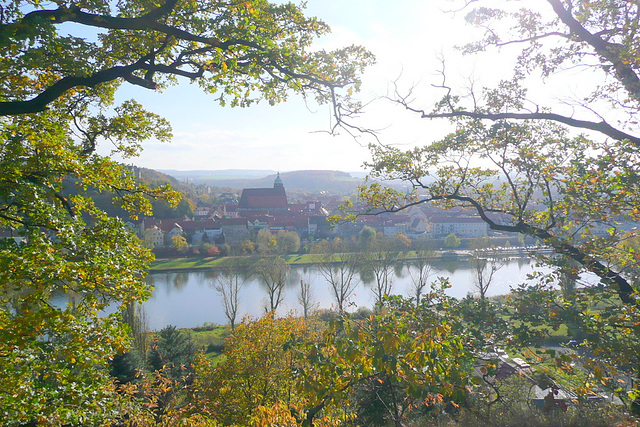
(188, 299)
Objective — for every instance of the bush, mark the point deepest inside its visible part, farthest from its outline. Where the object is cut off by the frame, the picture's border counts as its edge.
(207, 326)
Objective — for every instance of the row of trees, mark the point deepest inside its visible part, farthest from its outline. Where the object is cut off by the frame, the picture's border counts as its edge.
(343, 269)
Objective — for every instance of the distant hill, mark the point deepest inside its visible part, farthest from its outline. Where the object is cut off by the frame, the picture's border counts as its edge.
(209, 176)
(313, 181)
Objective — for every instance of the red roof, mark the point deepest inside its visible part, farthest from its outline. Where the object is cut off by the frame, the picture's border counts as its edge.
(233, 221)
(263, 198)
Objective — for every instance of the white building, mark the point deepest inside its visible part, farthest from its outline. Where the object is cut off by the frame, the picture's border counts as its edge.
(463, 226)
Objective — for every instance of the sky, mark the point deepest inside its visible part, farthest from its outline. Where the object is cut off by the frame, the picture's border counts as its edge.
(407, 37)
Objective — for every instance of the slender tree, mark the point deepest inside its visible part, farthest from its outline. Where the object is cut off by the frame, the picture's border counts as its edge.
(484, 269)
(228, 286)
(420, 270)
(273, 273)
(305, 297)
(339, 269)
(381, 258)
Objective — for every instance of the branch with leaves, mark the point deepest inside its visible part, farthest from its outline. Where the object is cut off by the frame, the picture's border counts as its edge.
(241, 49)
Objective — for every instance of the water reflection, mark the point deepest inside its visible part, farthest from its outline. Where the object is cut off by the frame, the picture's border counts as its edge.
(451, 264)
(188, 299)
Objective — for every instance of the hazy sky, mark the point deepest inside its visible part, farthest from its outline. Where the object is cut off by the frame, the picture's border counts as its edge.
(407, 37)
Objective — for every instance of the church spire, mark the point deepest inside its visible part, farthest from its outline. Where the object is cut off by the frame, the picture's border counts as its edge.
(278, 181)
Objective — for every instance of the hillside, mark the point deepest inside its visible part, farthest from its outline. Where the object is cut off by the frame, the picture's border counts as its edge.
(313, 181)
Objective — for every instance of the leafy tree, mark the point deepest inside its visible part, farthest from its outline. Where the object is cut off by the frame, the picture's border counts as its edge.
(452, 241)
(172, 351)
(180, 244)
(402, 241)
(257, 373)
(171, 355)
(586, 184)
(127, 366)
(287, 241)
(233, 48)
(523, 167)
(246, 247)
(213, 251)
(479, 243)
(55, 357)
(135, 316)
(58, 88)
(225, 249)
(266, 241)
(414, 353)
(367, 235)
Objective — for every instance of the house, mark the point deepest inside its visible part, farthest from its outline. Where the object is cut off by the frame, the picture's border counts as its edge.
(461, 226)
(212, 235)
(175, 231)
(235, 230)
(201, 213)
(154, 237)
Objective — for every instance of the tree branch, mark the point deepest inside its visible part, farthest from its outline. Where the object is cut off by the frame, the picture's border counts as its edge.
(601, 127)
(50, 94)
(147, 22)
(609, 51)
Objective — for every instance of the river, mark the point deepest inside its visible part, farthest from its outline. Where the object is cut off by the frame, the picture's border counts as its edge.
(188, 299)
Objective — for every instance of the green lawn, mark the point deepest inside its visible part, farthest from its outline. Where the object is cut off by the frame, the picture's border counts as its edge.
(209, 263)
(210, 338)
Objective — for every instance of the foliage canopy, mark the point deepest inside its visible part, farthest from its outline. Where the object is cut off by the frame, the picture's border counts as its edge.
(63, 260)
(567, 177)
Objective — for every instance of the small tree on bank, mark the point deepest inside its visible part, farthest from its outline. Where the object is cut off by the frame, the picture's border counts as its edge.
(228, 285)
(305, 297)
(420, 274)
(273, 273)
(339, 269)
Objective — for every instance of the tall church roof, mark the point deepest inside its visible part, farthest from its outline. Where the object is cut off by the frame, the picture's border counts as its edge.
(264, 198)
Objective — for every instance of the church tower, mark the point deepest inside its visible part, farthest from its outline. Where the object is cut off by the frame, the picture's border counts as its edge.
(278, 182)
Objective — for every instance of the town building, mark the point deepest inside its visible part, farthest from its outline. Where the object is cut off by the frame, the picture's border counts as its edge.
(461, 226)
(264, 199)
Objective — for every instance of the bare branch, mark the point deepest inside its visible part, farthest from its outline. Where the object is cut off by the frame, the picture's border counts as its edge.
(601, 127)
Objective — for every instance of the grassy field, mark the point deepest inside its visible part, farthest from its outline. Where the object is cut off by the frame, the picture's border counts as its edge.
(215, 262)
(210, 338)
(209, 263)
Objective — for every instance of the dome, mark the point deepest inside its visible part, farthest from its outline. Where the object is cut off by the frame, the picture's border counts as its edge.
(278, 181)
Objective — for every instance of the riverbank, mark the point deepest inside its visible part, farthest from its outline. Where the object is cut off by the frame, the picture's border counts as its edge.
(214, 263)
